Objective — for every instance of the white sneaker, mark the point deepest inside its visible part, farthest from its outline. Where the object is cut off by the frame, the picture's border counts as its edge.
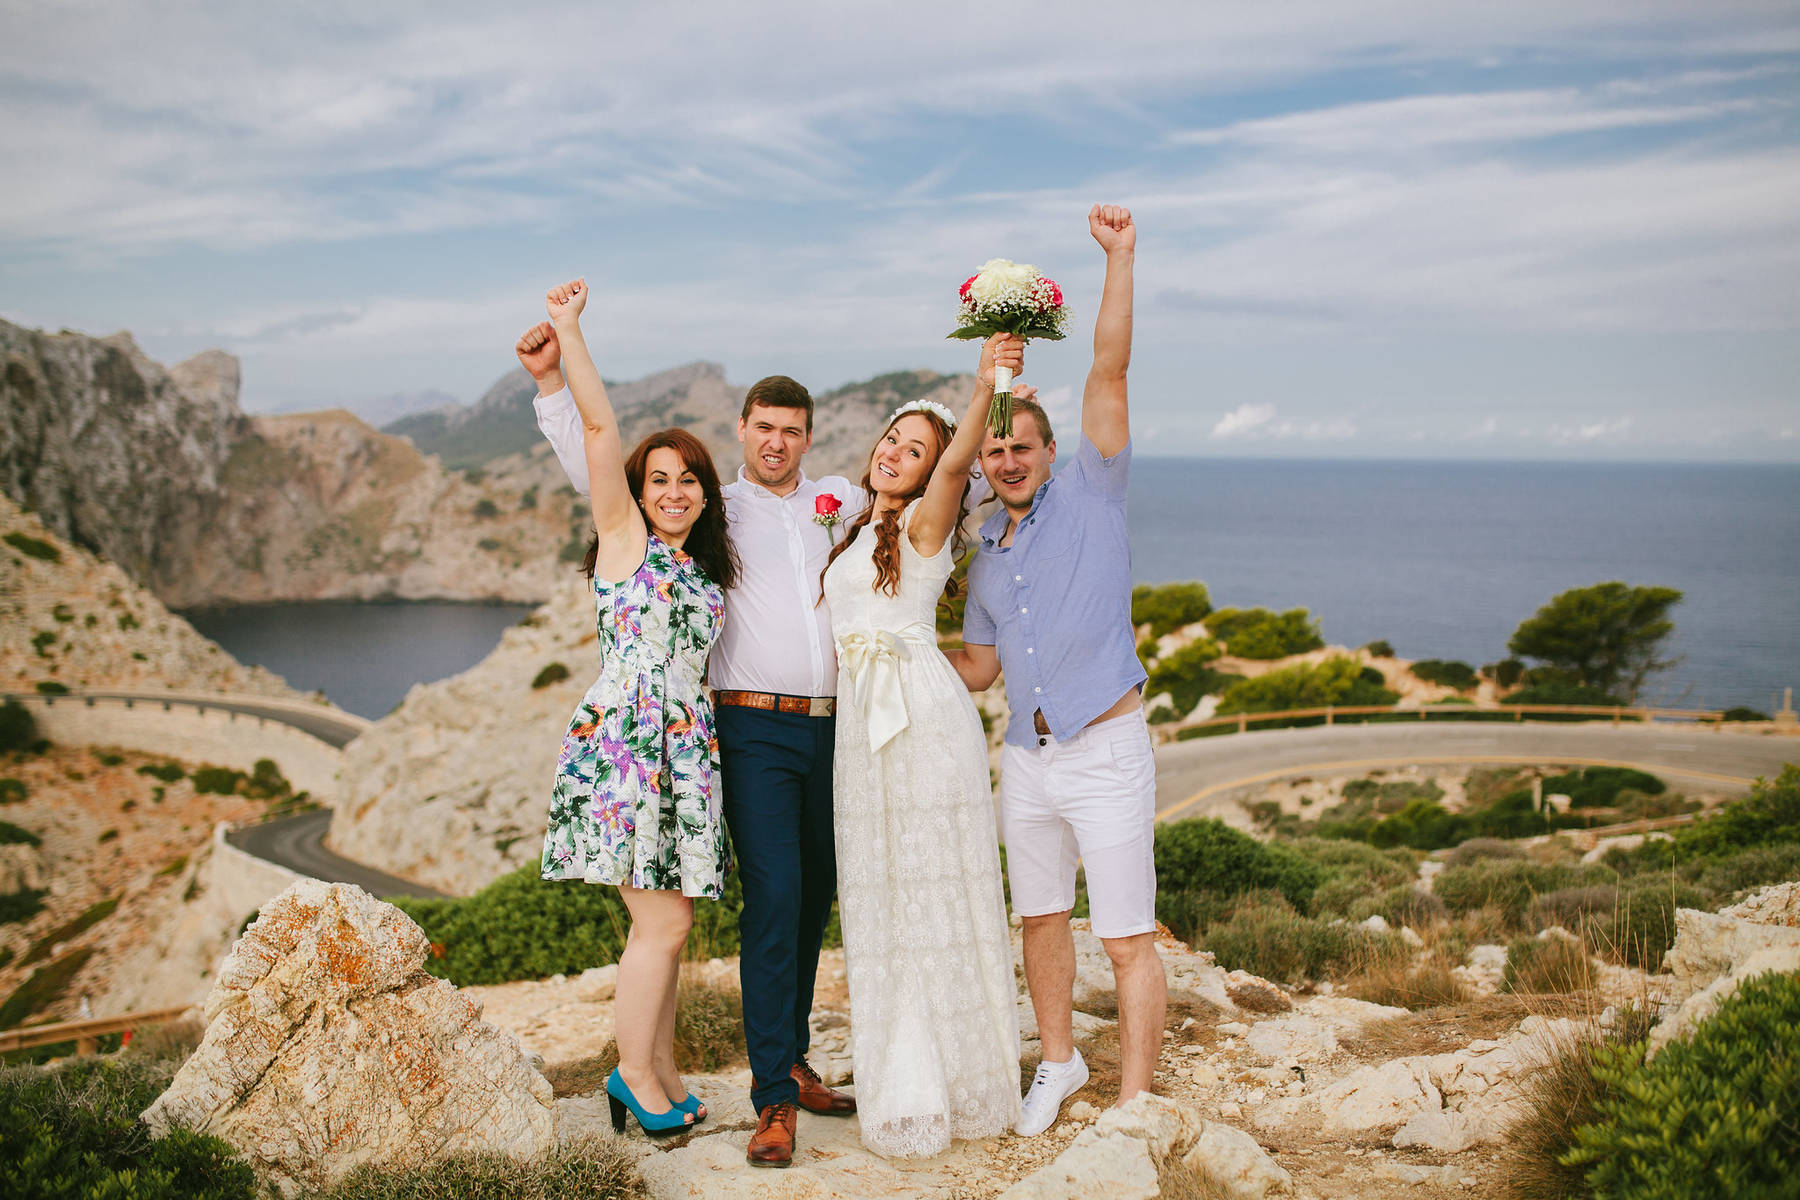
(1053, 1083)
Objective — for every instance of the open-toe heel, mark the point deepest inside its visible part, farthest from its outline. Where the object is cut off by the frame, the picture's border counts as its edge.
(655, 1124)
(693, 1104)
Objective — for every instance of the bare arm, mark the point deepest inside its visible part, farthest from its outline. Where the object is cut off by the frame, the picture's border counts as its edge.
(979, 666)
(936, 515)
(540, 353)
(1104, 417)
(617, 522)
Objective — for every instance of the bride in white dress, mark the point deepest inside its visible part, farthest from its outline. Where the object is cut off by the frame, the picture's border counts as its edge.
(933, 1002)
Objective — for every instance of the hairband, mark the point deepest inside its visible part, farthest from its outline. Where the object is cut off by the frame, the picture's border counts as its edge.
(924, 406)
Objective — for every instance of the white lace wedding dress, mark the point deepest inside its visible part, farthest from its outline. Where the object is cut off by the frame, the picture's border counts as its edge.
(934, 1022)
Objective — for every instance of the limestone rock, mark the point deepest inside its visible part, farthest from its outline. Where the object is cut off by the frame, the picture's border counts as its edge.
(1231, 1160)
(327, 1047)
(22, 868)
(1379, 1097)
(1119, 1168)
(1298, 1037)
(1777, 904)
(1714, 953)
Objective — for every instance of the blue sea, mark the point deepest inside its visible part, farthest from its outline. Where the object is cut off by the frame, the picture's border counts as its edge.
(1442, 559)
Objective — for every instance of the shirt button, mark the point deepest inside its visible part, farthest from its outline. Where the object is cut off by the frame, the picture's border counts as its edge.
(1018, 578)
(1039, 689)
(1024, 610)
(1030, 650)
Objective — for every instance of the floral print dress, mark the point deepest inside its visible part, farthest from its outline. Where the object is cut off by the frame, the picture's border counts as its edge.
(636, 799)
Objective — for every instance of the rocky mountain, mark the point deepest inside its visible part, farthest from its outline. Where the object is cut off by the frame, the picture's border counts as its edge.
(379, 411)
(158, 470)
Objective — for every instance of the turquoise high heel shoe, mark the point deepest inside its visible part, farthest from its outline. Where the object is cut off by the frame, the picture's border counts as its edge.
(692, 1104)
(655, 1124)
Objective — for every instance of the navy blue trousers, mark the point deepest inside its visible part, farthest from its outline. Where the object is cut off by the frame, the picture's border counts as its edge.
(777, 778)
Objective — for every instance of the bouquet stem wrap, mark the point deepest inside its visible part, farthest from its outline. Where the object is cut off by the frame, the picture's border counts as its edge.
(1009, 297)
(1000, 411)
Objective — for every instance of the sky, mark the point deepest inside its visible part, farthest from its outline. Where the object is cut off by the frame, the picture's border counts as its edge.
(1443, 230)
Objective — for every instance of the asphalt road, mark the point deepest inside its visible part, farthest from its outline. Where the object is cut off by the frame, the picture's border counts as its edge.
(324, 725)
(298, 843)
(1195, 778)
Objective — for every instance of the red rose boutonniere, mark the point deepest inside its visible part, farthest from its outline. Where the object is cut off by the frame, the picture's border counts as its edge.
(825, 509)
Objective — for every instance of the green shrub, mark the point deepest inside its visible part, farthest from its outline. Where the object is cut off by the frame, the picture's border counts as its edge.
(1186, 676)
(1574, 908)
(1423, 825)
(1769, 815)
(1335, 681)
(529, 497)
(1478, 848)
(168, 772)
(1744, 714)
(1207, 855)
(1259, 633)
(18, 907)
(1380, 648)
(552, 673)
(217, 781)
(1168, 607)
(574, 550)
(1403, 904)
(73, 1133)
(127, 622)
(52, 687)
(62, 614)
(485, 508)
(1562, 693)
(13, 835)
(1268, 938)
(523, 927)
(32, 547)
(1392, 795)
(1598, 787)
(44, 988)
(1447, 672)
(1633, 805)
(18, 728)
(1510, 885)
(1716, 1114)
(1513, 815)
(1507, 672)
(1730, 875)
(68, 930)
(13, 791)
(489, 544)
(1641, 926)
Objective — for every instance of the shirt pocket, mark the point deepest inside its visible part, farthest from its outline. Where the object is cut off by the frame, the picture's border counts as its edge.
(1054, 538)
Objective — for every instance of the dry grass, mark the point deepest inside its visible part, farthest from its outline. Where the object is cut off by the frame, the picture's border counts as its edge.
(583, 1076)
(709, 1023)
(1177, 1181)
(1548, 965)
(596, 1168)
(1558, 1099)
(1102, 1057)
(170, 1042)
(1451, 1028)
(1427, 985)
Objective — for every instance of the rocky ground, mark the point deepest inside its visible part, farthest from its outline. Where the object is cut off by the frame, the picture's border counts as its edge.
(110, 835)
(70, 618)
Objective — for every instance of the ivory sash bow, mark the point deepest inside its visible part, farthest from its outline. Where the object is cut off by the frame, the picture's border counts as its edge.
(872, 661)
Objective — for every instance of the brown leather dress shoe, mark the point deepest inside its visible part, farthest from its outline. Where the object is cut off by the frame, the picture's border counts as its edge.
(815, 1097)
(772, 1145)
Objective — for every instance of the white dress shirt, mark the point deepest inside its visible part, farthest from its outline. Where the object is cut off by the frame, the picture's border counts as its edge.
(777, 636)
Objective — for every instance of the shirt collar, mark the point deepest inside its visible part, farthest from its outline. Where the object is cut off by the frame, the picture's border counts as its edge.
(994, 528)
(757, 489)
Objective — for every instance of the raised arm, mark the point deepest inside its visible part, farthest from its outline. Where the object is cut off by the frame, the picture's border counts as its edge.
(1104, 418)
(617, 522)
(935, 518)
(541, 354)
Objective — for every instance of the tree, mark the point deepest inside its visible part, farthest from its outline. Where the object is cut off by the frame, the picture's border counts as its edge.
(1607, 636)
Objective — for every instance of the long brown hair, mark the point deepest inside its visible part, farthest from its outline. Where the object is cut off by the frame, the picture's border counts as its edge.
(708, 541)
(887, 530)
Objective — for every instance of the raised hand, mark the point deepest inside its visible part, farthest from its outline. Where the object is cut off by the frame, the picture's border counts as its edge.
(1006, 350)
(538, 350)
(1024, 391)
(565, 301)
(1112, 228)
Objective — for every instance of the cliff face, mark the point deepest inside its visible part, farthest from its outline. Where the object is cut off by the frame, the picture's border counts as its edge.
(114, 452)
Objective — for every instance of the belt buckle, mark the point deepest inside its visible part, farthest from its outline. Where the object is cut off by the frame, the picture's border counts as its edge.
(820, 706)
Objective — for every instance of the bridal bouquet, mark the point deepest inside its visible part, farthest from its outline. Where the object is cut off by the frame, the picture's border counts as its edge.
(1009, 297)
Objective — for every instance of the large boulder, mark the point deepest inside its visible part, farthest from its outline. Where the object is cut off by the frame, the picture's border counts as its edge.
(1713, 953)
(328, 1047)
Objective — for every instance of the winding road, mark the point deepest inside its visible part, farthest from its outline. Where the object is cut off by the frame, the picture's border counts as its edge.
(1197, 778)
(331, 726)
(298, 843)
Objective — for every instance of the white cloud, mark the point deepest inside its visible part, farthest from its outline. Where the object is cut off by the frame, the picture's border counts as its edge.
(1589, 433)
(1243, 419)
(1488, 428)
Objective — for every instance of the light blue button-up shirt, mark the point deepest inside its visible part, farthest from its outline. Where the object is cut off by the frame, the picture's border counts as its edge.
(1056, 604)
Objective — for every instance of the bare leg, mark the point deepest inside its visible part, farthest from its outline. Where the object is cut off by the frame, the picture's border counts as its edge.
(1143, 1002)
(1050, 974)
(666, 1073)
(646, 990)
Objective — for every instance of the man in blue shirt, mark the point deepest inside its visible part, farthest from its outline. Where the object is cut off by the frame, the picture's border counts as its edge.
(1050, 601)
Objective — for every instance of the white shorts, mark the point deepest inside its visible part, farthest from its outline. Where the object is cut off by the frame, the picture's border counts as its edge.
(1092, 800)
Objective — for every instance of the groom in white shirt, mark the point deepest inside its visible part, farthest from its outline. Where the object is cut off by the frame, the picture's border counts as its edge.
(774, 671)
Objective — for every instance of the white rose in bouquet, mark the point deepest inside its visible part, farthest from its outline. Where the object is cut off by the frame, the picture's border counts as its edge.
(1002, 279)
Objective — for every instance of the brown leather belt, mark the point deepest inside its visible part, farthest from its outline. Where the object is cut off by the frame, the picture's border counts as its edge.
(1038, 723)
(805, 706)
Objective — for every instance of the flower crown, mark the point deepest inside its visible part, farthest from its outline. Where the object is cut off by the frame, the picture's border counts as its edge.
(923, 406)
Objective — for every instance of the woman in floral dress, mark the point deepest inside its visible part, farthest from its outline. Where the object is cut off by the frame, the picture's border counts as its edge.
(636, 802)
